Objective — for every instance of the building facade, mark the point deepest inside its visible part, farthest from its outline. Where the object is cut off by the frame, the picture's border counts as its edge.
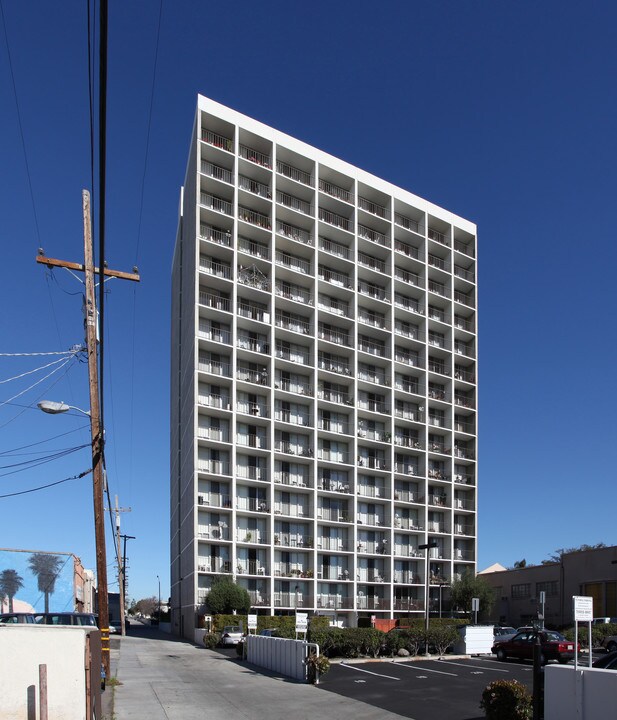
(323, 375)
(592, 573)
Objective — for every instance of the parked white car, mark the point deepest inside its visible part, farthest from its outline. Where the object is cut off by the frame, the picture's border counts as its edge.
(231, 635)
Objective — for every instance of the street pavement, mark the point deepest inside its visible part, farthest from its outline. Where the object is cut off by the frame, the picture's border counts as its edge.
(160, 677)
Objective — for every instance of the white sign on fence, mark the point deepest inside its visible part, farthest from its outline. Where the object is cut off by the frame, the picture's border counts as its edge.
(583, 608)
(252, 622)
(301, 622)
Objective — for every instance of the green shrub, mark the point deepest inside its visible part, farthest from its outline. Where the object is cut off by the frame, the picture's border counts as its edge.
(410, 639)
(598, 634)
(211, 640)
(441, 637)
(507, 700)
(316, 665)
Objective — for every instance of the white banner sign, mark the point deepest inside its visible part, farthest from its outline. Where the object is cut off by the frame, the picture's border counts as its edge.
(301, 622)
(583, 608)
(252, 622)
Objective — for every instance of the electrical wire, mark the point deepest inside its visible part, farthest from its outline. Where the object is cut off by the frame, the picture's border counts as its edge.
(47, 458)
(43, 487)
(31, 372)
(72, 351)
(38, 382)
(44, 461)
(14, 451)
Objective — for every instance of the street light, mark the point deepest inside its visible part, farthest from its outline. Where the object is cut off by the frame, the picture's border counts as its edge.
(52, 407)
(427, 547)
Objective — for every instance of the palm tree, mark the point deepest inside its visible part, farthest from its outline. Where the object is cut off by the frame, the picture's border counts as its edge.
(10, 583)
(46, 567)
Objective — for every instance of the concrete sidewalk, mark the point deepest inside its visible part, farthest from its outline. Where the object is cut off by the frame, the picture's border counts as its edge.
(163, 678)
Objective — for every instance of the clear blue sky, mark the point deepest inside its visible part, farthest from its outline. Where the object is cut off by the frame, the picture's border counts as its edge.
(503, 112)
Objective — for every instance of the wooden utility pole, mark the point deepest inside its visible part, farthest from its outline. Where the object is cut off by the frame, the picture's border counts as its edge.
(90, 322)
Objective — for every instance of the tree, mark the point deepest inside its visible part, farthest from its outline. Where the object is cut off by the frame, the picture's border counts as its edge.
(10, 583)
(145, 606)
(471, 586)
(46, 567)
(520, 564)
(226, 597)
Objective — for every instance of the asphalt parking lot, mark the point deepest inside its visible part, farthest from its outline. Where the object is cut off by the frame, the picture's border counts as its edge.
(448, 689)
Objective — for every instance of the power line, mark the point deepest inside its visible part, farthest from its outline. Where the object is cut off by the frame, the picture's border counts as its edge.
(31, 372)
(8, 453)
(38, 382)
(43, 487)
(44, 461)
(48, 458)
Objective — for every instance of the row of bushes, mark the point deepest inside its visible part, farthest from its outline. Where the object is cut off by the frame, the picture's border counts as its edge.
(598, 633)
(353, 642)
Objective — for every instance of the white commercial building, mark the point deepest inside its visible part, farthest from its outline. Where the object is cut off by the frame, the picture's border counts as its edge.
(323, 382)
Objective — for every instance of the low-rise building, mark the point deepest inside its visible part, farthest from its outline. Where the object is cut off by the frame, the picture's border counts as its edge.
(591, 573)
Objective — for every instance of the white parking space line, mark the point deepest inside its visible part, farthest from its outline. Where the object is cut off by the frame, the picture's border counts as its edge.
(477, 667)
(368, 672)
(417, 668)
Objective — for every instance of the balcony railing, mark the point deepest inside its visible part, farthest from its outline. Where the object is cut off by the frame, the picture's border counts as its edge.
(292, 262)
(335, 396)
(334, 248)
(286, 539)
(290, 291)
(252, 504)
(219, 141)
(254, 312)
(466, 453)
(295, 353)
(215, 335)
(438, 237)
(255, 156)
(331, 276)
(214, 499)
(369, 234)
(334, 364)
(463, 323)
(214, 301)
(373, 347)
(292, 600)
(333, 514)
(408, 223)
(251, 472)
(333, 305)
(217, 172)
(216, 467)
(373, 208)
(336, 602)
(406, 249)
(214, 401)
(294, 203)
(251, 567)
(408, 357)
(256, 249)
(411, 278)
(214, 367)
(438, 288)
(294, 233)
(438, 262)
(294, 173)
(213, 433)
(213, 202)
(292, 479)
(208, 232)
(371, 262)
(408, 441)
(290, 509)
(213, 267)
(466, 248)
(375, 291)
(333, 456)
(464, 298)
(373, 406)
(295, 323)
(379, 378)
(438, 366)
(246, 342)
(294, 386)
(332, 543)
(252, 186)
(464, 273)
(339, 337)
(258, 599)
(253, 408)
(260, 377)
(252, 440)
(337, 220)
(335, 191)
(214, 565)
(254, 218)
(463, 400)
(335, 426)
(407, 303)
(292, 418)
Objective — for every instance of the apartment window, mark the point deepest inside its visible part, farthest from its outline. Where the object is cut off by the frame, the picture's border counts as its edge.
(523, 590)
(550, 588)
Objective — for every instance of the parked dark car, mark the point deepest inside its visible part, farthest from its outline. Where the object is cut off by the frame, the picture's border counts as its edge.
(16, 618)
(68, 618)
(554, 646)
(607, 662)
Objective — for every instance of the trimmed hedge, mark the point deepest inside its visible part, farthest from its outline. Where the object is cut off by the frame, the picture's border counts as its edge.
(598, 633)
(286, 624)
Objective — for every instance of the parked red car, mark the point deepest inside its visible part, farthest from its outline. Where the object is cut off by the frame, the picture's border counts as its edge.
(554, 646)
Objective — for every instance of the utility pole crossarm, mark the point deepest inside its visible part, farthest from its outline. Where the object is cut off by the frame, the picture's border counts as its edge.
(52, 262)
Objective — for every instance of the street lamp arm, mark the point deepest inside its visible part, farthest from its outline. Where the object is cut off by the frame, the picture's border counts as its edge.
(52, 407)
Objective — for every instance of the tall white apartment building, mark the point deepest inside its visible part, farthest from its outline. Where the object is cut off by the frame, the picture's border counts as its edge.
(323, 382)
